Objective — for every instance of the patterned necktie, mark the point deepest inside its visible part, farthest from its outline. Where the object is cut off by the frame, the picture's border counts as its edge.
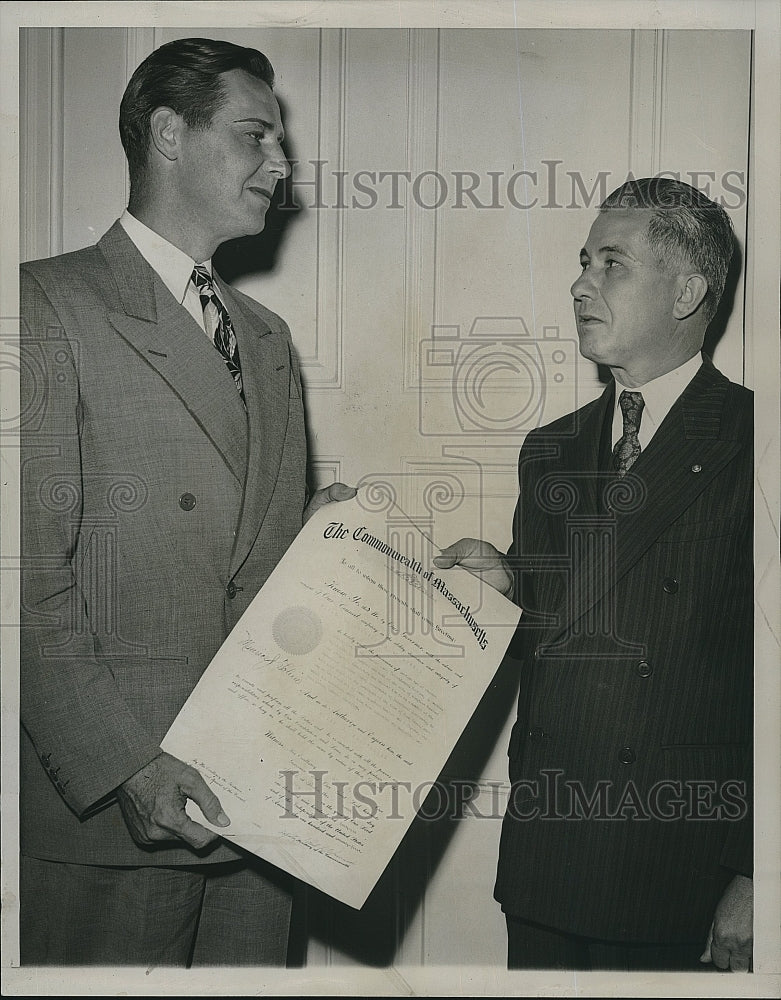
(218, 324)
(627, 449)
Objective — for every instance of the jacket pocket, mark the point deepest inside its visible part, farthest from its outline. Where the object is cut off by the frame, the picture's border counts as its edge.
(692, 531)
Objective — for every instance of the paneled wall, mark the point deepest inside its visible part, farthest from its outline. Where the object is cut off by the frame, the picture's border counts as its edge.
(422, 254)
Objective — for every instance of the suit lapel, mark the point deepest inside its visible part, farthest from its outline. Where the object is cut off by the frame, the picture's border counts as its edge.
(687, 452)
(266, 374)
(170, 341)
(578, 462)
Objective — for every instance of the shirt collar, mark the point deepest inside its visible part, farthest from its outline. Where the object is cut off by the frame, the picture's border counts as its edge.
(173, 265)
(660, 393)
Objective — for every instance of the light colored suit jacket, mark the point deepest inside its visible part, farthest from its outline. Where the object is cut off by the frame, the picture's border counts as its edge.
(153, 511)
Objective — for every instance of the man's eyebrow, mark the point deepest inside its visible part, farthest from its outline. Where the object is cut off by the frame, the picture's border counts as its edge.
(615, 248)
(610, 248)
(259, 121)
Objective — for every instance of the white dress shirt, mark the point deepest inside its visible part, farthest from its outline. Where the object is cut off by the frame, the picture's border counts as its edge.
(172, 265)
(658, 396)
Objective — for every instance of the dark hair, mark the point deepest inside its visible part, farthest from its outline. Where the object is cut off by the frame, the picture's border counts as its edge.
(686, 228)
(183, 75)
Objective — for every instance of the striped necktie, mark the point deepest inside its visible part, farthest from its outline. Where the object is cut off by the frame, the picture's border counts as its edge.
(218, 324)
(627, 449)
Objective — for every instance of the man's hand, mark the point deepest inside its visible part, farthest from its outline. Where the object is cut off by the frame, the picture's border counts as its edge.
(152, 802)
(481, 559)
(731, 936)
(336, 491)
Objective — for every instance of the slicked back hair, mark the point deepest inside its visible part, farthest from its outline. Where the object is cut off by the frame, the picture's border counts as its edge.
(183, 75)
(686, 229)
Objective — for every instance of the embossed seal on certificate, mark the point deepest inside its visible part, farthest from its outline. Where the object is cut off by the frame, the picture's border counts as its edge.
(297, 630)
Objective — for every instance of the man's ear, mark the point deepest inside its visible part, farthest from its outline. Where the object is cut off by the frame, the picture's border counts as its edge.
(165, 127)
(692, 289)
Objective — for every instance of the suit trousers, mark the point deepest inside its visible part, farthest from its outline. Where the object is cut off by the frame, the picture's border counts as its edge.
(236, 913)
(532, 946)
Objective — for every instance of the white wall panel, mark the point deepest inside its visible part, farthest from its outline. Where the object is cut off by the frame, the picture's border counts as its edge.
(93, 161)
(41, 71)
(705, 125)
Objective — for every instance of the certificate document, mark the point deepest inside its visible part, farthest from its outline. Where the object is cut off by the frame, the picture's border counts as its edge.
(330, 709)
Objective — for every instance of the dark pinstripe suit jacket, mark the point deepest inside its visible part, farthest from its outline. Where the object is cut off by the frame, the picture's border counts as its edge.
(629, 755)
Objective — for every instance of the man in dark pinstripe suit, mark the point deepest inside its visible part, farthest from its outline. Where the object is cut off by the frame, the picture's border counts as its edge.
(627, 838)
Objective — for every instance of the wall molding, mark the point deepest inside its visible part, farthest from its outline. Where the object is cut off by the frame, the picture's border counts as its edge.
(326, 469)
(420, 244)
(324, 368)
(41, 93)
(56, 152)
(647, 100)
(751, 290)
(139, 43)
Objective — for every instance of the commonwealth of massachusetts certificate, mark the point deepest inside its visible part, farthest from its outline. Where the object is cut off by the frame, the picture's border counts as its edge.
(332, 706)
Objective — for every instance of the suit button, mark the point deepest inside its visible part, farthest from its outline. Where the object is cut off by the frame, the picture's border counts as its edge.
(627, 755)
(538, 652)
(231, 589)
(670, 585)
(644, 668)
(187, 501)
(537, 734)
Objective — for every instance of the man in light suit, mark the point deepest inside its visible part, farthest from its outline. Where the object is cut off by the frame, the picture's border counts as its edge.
(163, 476)
(627, 838)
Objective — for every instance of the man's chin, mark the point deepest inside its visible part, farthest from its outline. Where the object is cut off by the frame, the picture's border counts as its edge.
(249, 228)
(594, 348)
(257, 227)
(591, 351)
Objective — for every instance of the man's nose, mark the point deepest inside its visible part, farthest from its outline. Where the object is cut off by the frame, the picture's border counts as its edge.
(276, 163)
(583, 286)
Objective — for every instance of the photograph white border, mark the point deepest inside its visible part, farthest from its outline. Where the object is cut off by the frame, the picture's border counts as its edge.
(760, 16)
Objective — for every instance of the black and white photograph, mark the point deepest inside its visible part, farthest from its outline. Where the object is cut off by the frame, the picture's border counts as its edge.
(391, 489)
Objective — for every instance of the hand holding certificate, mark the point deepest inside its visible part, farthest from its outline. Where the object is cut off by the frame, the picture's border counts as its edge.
(337, 698)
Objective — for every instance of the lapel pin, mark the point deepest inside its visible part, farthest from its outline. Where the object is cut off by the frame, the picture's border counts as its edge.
(696, 467)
